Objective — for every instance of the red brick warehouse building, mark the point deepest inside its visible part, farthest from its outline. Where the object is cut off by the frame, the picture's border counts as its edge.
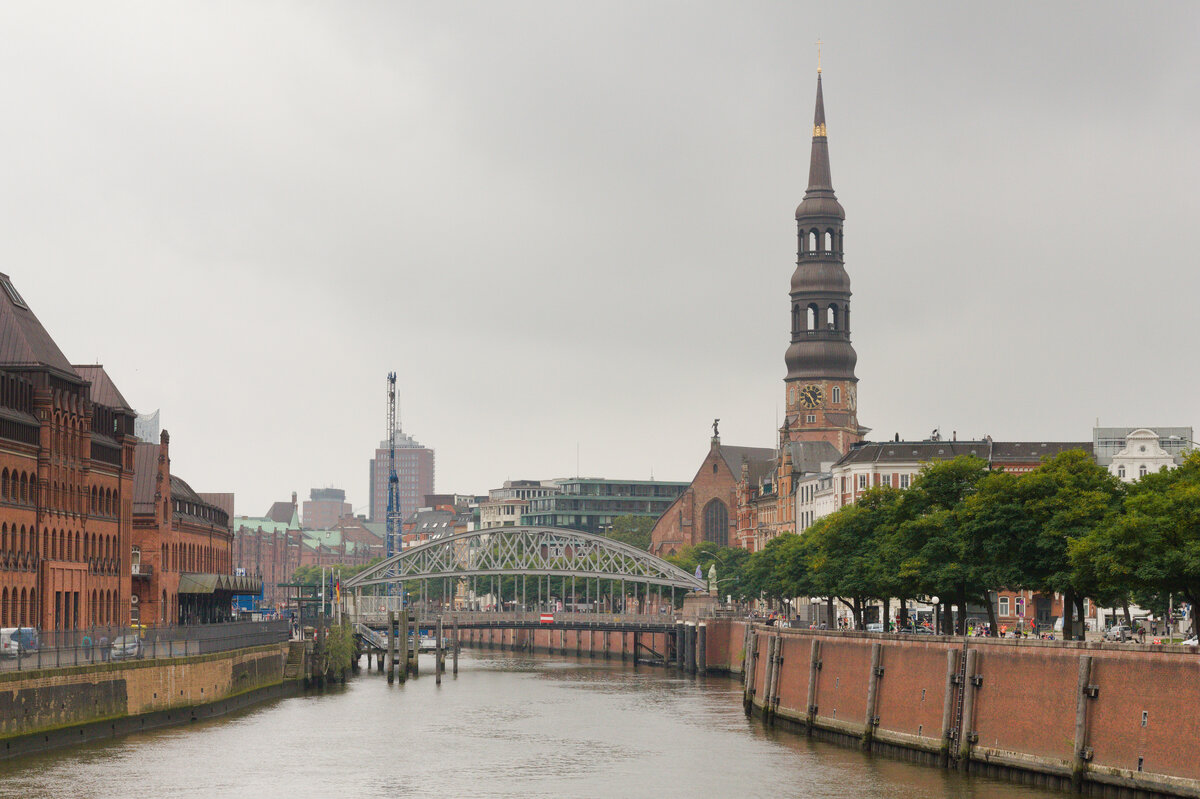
(66, 482)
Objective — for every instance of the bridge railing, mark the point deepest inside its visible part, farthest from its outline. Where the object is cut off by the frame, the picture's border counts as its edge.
(529, 617)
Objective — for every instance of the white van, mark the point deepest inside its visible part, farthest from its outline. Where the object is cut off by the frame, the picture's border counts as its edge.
(18, 639)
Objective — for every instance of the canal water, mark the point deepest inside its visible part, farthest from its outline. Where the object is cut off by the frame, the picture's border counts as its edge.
(507, 726)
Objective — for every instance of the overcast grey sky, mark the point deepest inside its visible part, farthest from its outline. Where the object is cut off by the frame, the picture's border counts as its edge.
(570, 224)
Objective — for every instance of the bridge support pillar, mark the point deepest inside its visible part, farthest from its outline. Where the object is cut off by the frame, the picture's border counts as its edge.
(701, 648)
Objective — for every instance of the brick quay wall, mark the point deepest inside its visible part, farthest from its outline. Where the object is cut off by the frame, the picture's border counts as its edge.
(1105, 719)
(50, 708)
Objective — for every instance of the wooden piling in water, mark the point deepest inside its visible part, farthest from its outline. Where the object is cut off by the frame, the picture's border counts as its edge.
(456, 646)
(439, 664)
(391, 665)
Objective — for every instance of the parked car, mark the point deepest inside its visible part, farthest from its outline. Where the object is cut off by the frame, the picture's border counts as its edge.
(14, 640)
(1119, 632)
(1193, 641)
(916, 630)
(875, 627)
(126, 647)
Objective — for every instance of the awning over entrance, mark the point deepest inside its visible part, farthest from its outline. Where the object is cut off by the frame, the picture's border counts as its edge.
(197, 583)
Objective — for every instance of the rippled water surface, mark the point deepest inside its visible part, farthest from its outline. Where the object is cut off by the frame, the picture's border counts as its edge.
(507, 726)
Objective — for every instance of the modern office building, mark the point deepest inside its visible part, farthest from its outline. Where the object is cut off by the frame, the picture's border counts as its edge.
(591, 504)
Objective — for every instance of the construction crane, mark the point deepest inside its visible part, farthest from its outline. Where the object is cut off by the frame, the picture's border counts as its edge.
(394, 520)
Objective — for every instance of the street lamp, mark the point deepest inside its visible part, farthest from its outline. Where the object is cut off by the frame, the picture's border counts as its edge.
(937, 628)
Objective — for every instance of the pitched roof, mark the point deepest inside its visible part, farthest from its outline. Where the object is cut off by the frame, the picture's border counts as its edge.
(813, 456)
(753, 455)
(23, 340)
(994, 452)
(145, 470)
(104, 391)
(282, 512)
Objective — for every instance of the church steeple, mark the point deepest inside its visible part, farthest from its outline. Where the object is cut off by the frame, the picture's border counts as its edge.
(820, 381)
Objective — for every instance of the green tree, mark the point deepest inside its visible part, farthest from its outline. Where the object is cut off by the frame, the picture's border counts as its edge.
(632, 530)
(1152, 547)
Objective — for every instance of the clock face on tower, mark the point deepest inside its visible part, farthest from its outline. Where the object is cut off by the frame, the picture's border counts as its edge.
(811, 396)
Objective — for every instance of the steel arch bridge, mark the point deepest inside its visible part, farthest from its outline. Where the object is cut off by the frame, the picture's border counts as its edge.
(525, 551)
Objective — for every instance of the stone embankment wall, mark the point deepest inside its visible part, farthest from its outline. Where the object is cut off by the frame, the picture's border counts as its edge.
(594, 643)
(1105, 719)
(49, 708)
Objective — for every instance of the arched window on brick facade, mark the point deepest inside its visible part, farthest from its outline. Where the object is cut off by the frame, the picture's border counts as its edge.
(716, 523)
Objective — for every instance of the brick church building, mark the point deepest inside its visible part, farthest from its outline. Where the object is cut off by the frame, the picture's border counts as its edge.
(744, 496)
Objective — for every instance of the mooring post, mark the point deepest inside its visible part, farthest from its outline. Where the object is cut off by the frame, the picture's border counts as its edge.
(607, 638)
(814, 668)
(701, 648)
(455, 646)
(636, 640)
(948, 703)
(691, 647)
(680, 658)
(416, 647)
(391, 675)
(439, 654)
(1082, 754)
(872, 696)
(748, 672)
(769, 680)
(966, 735)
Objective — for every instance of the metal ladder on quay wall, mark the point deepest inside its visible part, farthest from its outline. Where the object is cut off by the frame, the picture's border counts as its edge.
(960, 691)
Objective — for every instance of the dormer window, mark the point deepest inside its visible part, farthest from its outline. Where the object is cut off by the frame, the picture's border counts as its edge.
(13, 294)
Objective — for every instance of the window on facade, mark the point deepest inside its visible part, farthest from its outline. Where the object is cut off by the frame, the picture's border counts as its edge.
(1142, 470)
(1121, 471)
(862, 481)
(810, 418)
(1003, 606)
(904, 481)
(885, 479)
(837, 394)
(716, 523)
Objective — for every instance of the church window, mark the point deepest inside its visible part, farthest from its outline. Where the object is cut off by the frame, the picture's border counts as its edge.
(811, 418)
(795, 317)
(716, 523)
(837, 394)
(831, 317)
(829, 240)
(812, 241)
(714, 468)
(813, 314)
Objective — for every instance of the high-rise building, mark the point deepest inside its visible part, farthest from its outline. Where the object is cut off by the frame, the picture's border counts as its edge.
(821, 388)
(324, 507)
(414, 468)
